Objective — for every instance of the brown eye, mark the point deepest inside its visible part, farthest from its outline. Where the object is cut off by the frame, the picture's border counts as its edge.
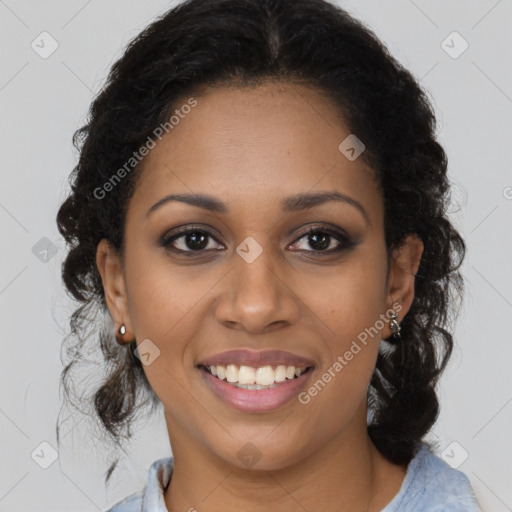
(323, 240)
(190, 240)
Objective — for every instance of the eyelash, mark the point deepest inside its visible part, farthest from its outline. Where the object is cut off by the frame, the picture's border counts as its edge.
(345, 242)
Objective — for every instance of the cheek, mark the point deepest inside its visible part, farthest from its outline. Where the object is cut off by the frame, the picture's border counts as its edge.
(162, 296)
(350, 305)
(349, 300)
(165, 307)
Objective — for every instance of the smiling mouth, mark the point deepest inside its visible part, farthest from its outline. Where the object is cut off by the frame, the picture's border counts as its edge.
(256, 378)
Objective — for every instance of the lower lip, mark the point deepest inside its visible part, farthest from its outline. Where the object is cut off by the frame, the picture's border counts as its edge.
(256, 400)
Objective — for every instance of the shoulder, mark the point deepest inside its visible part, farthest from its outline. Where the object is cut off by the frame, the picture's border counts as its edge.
(131, 503)
(431, 485)
(151, 498)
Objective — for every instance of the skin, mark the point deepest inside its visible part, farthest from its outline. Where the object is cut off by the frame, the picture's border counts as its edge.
(250, 148)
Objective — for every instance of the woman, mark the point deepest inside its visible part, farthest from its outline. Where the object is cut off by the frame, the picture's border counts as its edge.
(260, 209)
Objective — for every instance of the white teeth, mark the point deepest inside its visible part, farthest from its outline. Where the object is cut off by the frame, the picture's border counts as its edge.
(247, 377)
(265, 376)
(254, 386)
(231, 373)
(281, 373)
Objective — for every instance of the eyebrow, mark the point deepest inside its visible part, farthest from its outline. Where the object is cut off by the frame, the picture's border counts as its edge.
(294, 203)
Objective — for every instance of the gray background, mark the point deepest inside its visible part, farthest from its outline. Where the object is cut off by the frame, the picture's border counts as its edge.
(43, 101)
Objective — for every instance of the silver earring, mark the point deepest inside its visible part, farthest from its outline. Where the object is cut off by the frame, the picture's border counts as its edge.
(122, 330)
(395, 326)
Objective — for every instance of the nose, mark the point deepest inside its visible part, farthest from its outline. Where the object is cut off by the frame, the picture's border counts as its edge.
(257, 297)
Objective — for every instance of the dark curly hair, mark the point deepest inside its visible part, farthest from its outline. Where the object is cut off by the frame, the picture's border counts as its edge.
(212, 43)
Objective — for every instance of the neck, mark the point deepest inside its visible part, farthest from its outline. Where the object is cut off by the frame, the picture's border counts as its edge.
(347, 473)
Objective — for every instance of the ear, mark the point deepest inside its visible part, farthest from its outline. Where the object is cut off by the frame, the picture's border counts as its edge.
(403, 268)
(110, 268)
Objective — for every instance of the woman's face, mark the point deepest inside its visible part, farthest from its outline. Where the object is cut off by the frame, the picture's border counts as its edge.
(249, 278)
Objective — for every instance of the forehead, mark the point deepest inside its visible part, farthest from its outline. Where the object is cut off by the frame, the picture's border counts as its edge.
(254, 144)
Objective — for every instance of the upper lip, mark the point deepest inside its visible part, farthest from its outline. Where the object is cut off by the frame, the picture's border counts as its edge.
(257, 358)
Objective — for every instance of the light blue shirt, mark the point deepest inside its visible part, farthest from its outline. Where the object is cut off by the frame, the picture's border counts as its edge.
(430, 485)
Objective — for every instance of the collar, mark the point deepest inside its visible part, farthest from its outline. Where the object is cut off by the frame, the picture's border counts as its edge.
(158, 479)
